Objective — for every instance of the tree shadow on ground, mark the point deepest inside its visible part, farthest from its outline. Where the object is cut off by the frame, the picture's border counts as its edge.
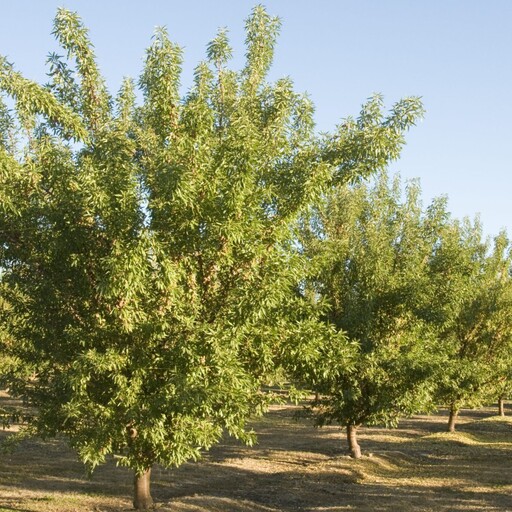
(298, 468)
(295, 467)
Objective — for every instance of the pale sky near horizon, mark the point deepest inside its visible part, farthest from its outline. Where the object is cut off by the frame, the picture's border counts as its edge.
(455, 54)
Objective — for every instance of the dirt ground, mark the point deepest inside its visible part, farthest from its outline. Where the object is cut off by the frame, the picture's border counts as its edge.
(294, 467)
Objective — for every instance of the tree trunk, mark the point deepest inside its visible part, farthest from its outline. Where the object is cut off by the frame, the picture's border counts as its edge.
(142, 499)
(353, 445)
(501, 406)
(454, 412)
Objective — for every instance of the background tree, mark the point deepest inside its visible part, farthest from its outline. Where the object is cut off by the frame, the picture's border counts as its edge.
(148, 249)
(470, 307)
(369, 251)
(497, 329)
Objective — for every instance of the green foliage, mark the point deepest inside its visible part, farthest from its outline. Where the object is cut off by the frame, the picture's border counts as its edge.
(471, 309)
(93, 99)
(151, 267)
(32, 99)
(369, 249)
(361, 147)
(6, 125)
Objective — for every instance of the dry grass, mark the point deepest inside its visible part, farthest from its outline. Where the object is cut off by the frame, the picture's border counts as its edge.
(417, 467)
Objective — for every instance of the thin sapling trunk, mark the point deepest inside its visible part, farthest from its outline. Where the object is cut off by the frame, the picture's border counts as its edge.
(454, 412)
(501, 406)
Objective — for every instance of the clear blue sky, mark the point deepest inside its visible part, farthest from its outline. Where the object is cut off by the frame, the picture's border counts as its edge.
(456, 54)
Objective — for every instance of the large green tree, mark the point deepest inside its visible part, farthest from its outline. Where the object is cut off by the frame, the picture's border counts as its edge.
(369, 248)
(148, 249)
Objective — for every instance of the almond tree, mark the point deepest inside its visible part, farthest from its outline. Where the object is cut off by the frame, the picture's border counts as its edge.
(148, 248)
(497, 328)
(471, 311)
(369, 248)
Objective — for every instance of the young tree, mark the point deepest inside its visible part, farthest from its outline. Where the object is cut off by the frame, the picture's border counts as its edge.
(148, 249)
(370, 250)
(472, 314)
(497, 329)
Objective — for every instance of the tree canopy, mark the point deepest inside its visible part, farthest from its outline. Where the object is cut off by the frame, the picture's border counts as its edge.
(369, 248)
(470, 307)
(147, 250)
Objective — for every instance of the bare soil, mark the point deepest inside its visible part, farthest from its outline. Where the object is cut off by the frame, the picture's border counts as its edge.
(294, 467)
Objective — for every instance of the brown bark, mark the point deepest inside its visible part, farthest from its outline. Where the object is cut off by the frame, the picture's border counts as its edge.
(353, 445)
(454, 412)
(142, 499)
(501, 406)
